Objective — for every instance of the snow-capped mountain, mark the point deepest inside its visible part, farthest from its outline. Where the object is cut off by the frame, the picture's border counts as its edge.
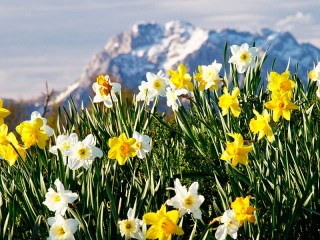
(146, 47)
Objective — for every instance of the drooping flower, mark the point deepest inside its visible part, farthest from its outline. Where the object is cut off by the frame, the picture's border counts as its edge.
(105, 90)
(83, 153)
(181, 79)
(173, 96)
(32, 134)
(57, 201)
(62, 229)
(243, 210)
(230, 226)
(164, 224)
(3, 112)
(145, 93)
(281, 105)
(227, 101)
(10, 149)
(236, 151)
(142, 144)
(314, 74)
(157, 83)
(64, 143)
(187, 201)
(243, 57)
(261, 125)
(121, 148)
(281, 83)
(48, 130)
(130, 228)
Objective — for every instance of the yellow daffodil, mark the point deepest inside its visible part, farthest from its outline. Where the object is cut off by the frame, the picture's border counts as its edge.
(3, 112)
(121, 148)
(11, 150)
(243, 210)
(32, 134)
(227, 101)
(281, 105)
(181, 78)
(236, 151)
(164, 224)
(281, 83)
(261, 125)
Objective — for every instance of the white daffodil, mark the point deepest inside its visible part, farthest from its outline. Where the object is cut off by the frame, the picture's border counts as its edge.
(64, 143)
(243, 57)
(58, 201)
(314, 74)
(230, 226)
(105, 90)
(142, 144)
(45, 127)
(83, 153)
(145, 93)
(318, 92)
(172, 97)
(187, 201)
(62, 229)
(157, 83)
(130, 228)
(210, 74)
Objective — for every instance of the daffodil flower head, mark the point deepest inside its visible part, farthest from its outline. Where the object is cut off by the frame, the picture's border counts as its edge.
(163, 224)
(146, 93)
(83, 153)
(121, 148)
(62, 229)
(186, 201)
(157, 83)
(314, 74)
(210, 74)
(32, 134)
(261, 125)
(64, 143)
(3, 112)
(48, 130)
(243, 210)
(105, 90)
(130, 228)
(281, 83)
(281, 105)
(142, 144)
(236, 151)
(57, 201)
(243, 57)
(230, 101)
(181, 79)
(230, 226)
(173, 97)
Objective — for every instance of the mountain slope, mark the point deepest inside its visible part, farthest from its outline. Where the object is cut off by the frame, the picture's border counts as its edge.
(152, 47)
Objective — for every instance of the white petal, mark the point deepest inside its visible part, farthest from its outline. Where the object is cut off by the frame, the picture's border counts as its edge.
(72, 225)
(234, 49)
(194, 188)
(89, 140)
(54, 150)
(221, 232)
(59, 185)
(116, 87)
(51, 220)
(96, 152)
(130, 214)
(75, 164)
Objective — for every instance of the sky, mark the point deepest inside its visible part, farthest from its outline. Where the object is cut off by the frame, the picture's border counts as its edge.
(51, 41)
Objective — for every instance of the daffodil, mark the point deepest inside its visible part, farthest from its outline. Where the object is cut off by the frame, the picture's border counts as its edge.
(164, 224)
(83, 153)
(243, 210)
(181, 79)
(243, 57)
(173, 96)
(318, 92)
(157, 83)
(105, 90)
(64, 143)
(142, 144)
(230, 101)
(261, 125)
(32, 134)
(121, 148)
(230, 226)
(45, 127)
(186, 201)
(130, 228)
(145, 93)
(236, 151)
(314, 74)
(62, 229)
(281, 83)
(3, 112)
(57, 201)
(281, 105)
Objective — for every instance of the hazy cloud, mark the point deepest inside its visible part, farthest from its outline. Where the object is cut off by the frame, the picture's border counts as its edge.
(294, 21)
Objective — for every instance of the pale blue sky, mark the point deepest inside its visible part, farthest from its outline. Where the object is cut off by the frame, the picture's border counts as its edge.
(45, 40)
